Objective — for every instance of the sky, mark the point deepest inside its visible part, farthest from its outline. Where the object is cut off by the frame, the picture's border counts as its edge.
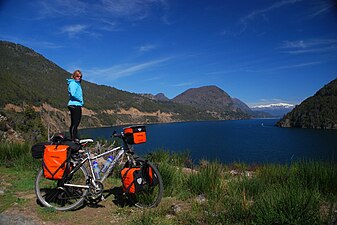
(259, 51)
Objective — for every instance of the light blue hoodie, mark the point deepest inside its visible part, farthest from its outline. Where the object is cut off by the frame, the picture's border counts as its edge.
(75, 93)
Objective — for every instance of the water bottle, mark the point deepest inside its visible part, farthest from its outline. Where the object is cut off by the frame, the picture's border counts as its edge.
(96, 170)
(107, 164)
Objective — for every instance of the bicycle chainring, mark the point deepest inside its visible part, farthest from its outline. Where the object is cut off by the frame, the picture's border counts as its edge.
(96, 191)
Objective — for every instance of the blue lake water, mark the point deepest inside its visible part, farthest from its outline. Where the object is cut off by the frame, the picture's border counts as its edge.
(249, 141)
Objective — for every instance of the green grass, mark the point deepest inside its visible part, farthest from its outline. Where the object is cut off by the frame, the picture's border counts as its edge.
(288, 204)
(14, 184)
(17, 173)
(303, 192)
(18, 156)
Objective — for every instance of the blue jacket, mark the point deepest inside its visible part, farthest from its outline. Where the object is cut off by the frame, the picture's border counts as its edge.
(75, 93)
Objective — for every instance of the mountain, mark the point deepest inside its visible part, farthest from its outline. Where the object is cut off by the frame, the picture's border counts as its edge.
(161, 97)
(214, 100)
(237, 103)
(157, 97)
(275, 110)
(29, 79)
(317, 111)
(245, 108)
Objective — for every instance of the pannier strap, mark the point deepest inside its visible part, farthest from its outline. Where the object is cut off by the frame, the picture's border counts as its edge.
(127, 189)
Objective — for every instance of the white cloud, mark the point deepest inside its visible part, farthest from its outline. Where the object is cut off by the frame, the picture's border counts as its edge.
(74, 29)
(183, 84)
(309, 46)
(104, 15)
(57, 8)
(244, 21)
(321, 7)
(123, 70)
(284, 67)
(78, 29)
(262, 12)
(131, 9)
(146, 48)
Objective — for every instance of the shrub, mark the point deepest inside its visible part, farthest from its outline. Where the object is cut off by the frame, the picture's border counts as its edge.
(317, 175)
(207, 180)
(287, 204)
(17, 155)
(173, 179)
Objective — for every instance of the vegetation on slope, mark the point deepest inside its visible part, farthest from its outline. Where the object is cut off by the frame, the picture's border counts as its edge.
(318, 111)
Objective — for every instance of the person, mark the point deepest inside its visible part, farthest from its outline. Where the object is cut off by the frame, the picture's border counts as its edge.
(75, 103)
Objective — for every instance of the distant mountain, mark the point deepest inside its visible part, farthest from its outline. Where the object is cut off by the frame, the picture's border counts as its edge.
(214, 100)
(275, 110)
(161, 97)
(245, 108)
(318, 111)
(157, 97)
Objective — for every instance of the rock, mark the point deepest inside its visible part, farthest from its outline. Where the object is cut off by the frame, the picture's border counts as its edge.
(175, 209)
(201, 199)
(16, 220)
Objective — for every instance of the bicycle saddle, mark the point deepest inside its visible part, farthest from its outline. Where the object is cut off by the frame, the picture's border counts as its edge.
(85, 141)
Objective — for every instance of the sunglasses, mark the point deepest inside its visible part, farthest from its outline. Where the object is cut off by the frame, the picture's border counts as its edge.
(79, 76)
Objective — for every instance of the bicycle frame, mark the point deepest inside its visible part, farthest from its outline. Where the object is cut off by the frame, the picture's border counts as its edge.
(90, 160)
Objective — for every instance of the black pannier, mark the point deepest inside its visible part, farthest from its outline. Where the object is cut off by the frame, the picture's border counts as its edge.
(38, 149)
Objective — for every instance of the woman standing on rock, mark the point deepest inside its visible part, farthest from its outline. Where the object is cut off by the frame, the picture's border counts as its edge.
(75, 102)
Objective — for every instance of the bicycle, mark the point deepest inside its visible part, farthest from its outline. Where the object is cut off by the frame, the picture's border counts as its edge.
(81, 185)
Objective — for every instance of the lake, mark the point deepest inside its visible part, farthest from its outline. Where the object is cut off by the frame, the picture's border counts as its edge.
(250, 141)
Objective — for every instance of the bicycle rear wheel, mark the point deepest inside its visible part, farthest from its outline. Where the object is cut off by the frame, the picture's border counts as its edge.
(153, 188)
(51, 193)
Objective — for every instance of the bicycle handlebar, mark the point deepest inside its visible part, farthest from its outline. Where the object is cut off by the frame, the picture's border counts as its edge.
(120, 135)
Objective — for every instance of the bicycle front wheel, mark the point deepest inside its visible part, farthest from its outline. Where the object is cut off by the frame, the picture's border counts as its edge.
(62, 197)
(152, 190)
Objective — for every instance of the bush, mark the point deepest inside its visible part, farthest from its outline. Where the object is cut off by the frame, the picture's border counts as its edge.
(317, 175)
(17, 155)
(207, 180)
(289, 204)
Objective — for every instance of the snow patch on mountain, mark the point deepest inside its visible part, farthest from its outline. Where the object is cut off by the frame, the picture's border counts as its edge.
(275, 105)
(276, 109)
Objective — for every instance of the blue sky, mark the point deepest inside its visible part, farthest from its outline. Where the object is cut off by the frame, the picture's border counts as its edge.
(259, 51)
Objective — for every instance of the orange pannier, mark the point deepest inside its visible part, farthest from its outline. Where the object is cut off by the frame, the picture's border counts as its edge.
(55, 158)
(135, 134)
(132, 179)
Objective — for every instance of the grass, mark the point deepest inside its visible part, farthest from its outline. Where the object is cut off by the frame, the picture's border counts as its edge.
(303, 192)
(17, 155)
(14, 184)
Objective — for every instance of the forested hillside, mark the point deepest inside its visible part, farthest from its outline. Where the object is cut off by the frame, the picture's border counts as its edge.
(318, 111)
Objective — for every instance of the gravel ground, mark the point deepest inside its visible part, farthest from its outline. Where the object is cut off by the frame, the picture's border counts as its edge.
(15, 220)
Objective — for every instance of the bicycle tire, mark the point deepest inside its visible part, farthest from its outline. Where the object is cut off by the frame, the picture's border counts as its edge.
(151, 196)
(61, 198)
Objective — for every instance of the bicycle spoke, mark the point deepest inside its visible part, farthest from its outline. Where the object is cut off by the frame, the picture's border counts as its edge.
(53, 194)
(152, 191)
